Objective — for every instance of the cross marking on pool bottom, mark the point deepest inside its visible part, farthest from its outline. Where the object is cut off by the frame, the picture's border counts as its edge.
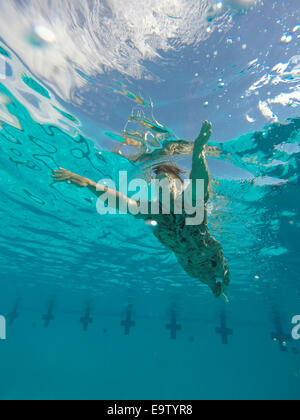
(49, 315)
(223, 330)
(279, 335)
(173, 326)
(87, 319)
(128, 323)
(12, 316)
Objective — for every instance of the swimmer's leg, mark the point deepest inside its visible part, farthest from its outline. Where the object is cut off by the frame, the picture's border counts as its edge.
(200, 168)
(202, 140)
(178, 147)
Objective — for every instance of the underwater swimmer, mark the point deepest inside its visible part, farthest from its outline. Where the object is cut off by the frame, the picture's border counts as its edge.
(199, 254)
(155, 135)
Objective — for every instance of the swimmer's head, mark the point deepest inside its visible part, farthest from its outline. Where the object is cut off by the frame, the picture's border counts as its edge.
(169, 170)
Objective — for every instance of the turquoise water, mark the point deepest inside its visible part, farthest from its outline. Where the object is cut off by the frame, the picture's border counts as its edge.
(89, 299)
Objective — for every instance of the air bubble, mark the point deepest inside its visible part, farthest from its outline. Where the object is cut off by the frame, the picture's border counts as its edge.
(215, 11)
(251, 120)
(287, 38)
(243, 4)
(41, 36)
(152, 223)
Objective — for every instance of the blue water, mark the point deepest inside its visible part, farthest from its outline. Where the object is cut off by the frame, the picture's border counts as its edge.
(71, 280)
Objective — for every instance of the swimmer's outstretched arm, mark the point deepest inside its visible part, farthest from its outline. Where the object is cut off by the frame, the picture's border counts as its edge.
(101, 191)
(200, 168)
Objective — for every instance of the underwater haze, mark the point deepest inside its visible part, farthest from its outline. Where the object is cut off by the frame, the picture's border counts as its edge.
(95, 306)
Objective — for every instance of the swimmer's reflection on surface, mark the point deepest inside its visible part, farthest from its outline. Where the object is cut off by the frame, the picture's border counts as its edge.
(159, 138)
(199, 254)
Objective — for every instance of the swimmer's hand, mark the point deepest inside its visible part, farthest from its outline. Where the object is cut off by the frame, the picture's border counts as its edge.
(62, 175)
(101, 191)
(224, 287)
(225, 298)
